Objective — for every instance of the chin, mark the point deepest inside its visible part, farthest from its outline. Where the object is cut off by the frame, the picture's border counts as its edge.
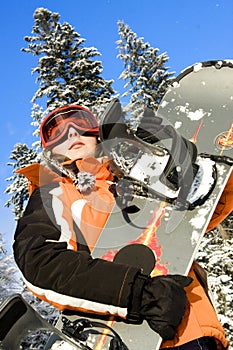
(79, 155)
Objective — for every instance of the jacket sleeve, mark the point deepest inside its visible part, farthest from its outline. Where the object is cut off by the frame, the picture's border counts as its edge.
(224, 206)
(64, 277)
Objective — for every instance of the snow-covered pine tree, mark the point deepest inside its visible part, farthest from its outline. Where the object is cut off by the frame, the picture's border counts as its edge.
(9, 280)
(67, 72)
(215, 254)
(18, 189)
(145, 73)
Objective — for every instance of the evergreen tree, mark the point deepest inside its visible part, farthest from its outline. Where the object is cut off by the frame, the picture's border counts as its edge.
(145, 73)
(9, 280)
(20, 156)
(67, 73)
(216, 256)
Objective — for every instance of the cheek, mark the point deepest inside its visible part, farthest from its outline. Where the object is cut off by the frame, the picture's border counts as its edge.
(91, 146)
(92, 142)
(60, 149)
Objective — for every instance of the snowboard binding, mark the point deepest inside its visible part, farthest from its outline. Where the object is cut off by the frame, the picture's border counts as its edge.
(82, 328)
(156, 161)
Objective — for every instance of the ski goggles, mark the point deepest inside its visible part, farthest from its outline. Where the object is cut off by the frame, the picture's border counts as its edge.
(56, 125)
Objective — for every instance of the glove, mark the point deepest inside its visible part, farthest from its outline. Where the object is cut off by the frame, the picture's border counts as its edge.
(163, 302)
(151, 129)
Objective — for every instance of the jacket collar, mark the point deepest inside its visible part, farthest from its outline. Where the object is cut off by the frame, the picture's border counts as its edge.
(40, 175)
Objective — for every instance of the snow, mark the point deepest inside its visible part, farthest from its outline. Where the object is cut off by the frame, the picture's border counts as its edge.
(150, 167)
(197, 67)
(203, 181)
(175, 84)
(195, 237)
(216, 256)
(225, 278)
(178, 124)
(62, 345)
(199, 221)
(196, 115)
(164, 104)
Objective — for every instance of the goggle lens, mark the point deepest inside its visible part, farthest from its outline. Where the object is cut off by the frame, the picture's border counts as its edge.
(57, 126)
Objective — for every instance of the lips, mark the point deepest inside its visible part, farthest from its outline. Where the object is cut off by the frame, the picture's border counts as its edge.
(76, 145)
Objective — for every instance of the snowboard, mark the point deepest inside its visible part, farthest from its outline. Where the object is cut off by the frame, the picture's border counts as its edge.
(199, 104)
(146, 227)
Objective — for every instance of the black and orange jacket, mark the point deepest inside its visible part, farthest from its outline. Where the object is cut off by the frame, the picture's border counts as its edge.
(54, 239)
(53, 244)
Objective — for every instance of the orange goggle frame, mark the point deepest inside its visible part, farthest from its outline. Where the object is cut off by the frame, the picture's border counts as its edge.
(56, 125)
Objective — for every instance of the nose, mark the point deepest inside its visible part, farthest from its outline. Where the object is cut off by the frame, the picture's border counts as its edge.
(73, 133)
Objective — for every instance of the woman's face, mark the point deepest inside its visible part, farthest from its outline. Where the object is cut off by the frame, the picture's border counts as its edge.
(76, 146)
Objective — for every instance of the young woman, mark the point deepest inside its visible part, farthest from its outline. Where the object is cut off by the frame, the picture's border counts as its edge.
(70, 201)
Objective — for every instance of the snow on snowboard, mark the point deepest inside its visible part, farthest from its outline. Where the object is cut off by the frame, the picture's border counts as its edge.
(166, 195)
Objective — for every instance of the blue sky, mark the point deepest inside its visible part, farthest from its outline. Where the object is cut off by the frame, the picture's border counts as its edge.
(189, 31)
